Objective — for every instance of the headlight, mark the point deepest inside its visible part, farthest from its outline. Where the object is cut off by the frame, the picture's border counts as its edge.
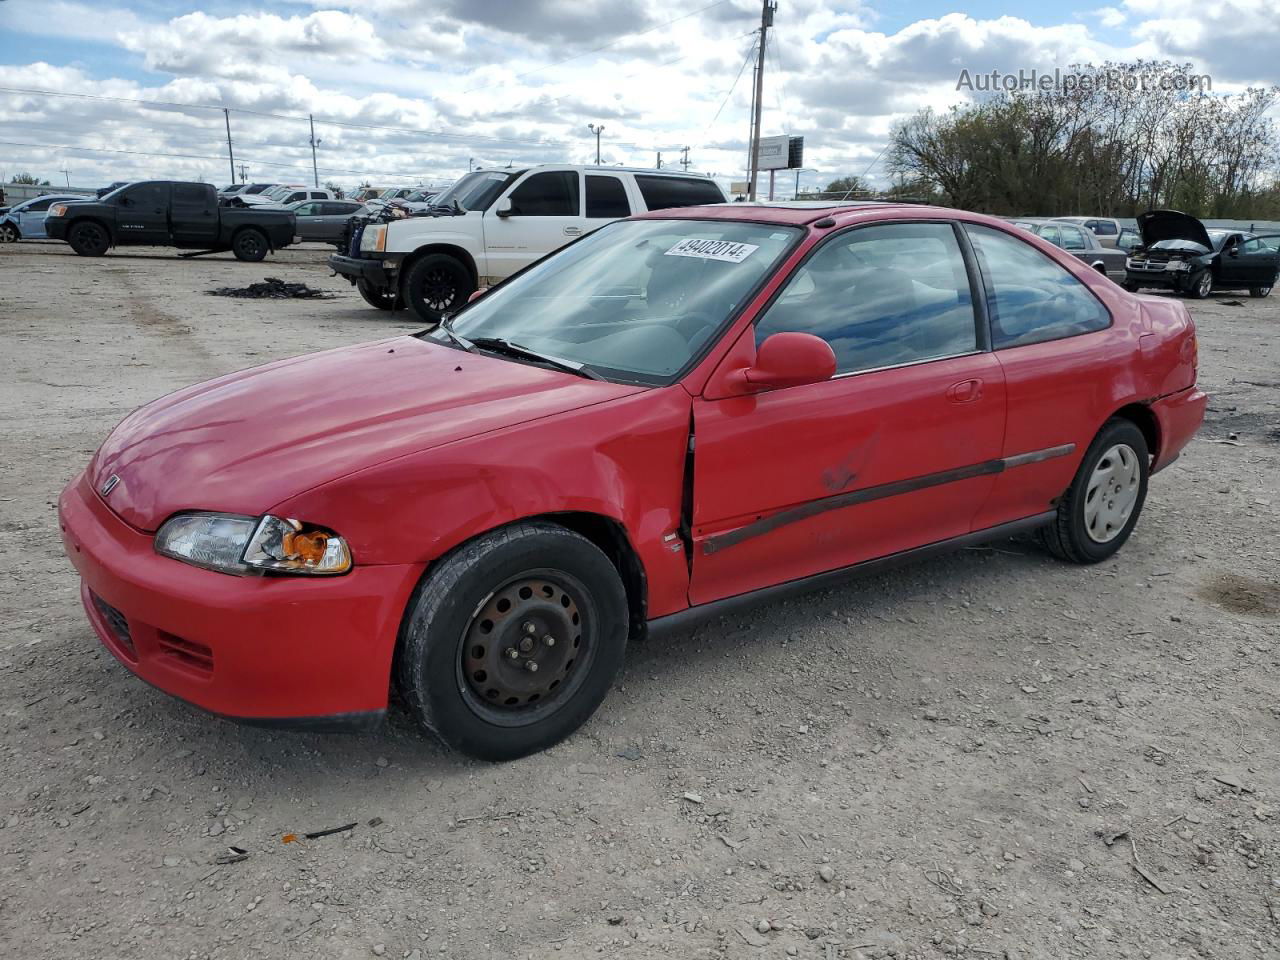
(57, 210)
(374, 239)
(242, 545)
(1177, 265)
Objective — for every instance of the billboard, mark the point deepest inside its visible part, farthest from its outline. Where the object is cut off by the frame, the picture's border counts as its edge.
(774, 153)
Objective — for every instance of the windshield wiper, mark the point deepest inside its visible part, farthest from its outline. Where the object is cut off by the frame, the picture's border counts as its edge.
(461, 341)
(501, 345)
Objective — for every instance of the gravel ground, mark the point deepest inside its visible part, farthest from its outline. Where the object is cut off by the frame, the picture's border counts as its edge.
(973, 756)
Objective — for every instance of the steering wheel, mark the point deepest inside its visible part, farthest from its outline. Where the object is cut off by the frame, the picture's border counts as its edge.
(693, 325)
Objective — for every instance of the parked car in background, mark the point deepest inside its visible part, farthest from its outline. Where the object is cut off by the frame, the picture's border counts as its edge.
(324, 220)
(681, 414)
(493, 223)
(1129, 239)
(168, 214)
(26, 220)
(246, 189)
(1179, 254)
(283, 195)
(1106, 229)
(1080, 243)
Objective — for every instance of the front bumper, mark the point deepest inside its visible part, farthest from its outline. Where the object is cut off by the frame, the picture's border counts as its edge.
(1179, 416)
(275, 650)
(371, 272)
(55, 228)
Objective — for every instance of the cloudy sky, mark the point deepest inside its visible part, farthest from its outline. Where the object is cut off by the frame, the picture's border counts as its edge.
(415, 90)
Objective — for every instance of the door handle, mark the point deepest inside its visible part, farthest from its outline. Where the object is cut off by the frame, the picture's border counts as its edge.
(572, 231)
(966, 391)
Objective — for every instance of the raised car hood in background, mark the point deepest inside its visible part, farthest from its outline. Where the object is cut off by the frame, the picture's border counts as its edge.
(1157, 225)
(245, 442)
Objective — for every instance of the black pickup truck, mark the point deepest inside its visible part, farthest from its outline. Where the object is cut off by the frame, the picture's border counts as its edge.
(165, 213)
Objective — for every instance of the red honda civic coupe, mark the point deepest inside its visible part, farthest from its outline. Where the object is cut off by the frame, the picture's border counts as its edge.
(678, 413)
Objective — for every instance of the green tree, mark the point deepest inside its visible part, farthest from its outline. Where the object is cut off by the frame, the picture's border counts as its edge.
(29, 179)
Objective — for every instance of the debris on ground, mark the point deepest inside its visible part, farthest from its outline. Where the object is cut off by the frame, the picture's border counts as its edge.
(273, 288)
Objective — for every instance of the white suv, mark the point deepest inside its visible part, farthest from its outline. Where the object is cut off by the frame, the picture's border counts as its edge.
(493, 223)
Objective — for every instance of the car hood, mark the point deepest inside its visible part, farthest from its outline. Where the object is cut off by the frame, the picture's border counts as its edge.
(1157, 225)
(247, 441)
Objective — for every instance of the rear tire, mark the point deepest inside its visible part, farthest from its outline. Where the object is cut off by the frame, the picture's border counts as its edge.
(1260, 291)
(250, 245)
(8, 233)
(479, 619)
(89, 239)
(381, 297)
(1101, 507)
(436, 286)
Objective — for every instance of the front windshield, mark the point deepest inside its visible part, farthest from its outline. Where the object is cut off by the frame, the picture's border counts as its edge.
(1182, 246)
(636, 300)
(476, 190)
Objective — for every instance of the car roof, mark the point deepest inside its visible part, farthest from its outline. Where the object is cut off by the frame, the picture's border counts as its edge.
(801, 212)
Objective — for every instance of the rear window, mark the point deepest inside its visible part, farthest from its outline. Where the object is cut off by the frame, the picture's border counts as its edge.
(665, 193)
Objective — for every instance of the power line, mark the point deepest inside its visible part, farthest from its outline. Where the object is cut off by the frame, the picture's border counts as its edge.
(751, 48)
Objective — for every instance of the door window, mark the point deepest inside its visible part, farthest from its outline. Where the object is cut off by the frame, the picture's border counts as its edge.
(307, 210)
(551, 194)
(664, 193)
(606, 197)
(1104, 228)
(1073, 239)
(1052, 234)
(38, 205)
(145, 196)
(1030, 297)
(881, 296)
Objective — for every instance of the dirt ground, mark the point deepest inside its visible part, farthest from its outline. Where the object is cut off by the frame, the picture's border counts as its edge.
(970, 757)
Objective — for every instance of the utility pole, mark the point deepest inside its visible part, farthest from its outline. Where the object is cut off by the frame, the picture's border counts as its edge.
(685, 162)
(315, 173)
(766, 21)
(244, 173)
(659, 159)
(226, 115)
(597, 129)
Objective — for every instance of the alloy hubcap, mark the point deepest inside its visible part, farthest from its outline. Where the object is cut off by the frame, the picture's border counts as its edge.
(522, 644)
(1112, 493)
(439, 289)
(1206, 284)
(7, 234)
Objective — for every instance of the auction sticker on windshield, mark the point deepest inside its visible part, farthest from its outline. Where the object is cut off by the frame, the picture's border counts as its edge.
(726, 250)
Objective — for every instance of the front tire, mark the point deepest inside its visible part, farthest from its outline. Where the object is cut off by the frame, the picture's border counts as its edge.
(380, 297)
(8, 233)
(436, 286)
(1201, 286)
(250, 245)
(1104, 501)
(89, 239)
(531, 593)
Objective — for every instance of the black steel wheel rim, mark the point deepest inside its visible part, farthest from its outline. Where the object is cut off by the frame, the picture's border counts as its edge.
(92, 236)
(439, 288)
(527, 648)
(248, 243)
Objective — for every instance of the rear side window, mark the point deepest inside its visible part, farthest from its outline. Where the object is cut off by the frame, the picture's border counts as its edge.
(606, 197)
(881, 296)
(664, 193)
(1031, 298)
(189, 194)
(1104, 228)
(337, 208)
(550, 194)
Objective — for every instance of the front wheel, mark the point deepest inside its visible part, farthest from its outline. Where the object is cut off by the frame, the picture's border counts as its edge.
(89, 239)
(8, 233)
(250, 246)
(436, 286)
(1104, 501)
(511, 643)
(383, 298)
(1201, 286)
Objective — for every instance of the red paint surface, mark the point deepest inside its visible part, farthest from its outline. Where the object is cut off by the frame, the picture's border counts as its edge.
(409, 449)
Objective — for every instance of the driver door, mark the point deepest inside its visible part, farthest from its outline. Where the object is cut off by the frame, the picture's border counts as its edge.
(1256, 261)
(896, 451)
(142, 214)
(545, 213)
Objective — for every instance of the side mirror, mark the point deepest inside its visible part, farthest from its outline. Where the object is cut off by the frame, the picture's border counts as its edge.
(1233, 251)
(787, 360)
(504, 208)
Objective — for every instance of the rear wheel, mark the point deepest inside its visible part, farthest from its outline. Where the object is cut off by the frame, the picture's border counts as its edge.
(383, 298)
(512, 642)
(250, 245)
(8, 233)
(1260, 291)
(436, 286)
(1102, 506)
(89, 239)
